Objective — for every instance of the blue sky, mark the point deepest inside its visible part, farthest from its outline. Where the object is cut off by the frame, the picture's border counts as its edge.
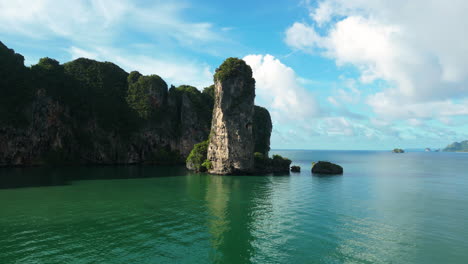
(335, 74)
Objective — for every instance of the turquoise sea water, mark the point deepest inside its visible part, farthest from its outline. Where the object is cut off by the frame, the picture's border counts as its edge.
(386, 208)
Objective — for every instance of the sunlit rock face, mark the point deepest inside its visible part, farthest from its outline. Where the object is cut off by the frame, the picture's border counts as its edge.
(232, 143)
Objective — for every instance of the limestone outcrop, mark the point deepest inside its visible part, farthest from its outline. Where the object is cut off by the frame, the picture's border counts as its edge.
(231, 146)
(325, 167)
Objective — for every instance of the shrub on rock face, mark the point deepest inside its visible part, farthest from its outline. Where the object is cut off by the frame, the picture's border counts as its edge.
(197, 158)
(325, 167)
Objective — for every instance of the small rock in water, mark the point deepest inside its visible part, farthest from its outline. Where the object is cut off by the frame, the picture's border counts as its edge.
(325, 167)
(295, 168)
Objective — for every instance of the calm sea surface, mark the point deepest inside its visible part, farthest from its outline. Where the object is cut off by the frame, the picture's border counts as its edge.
(386, 208)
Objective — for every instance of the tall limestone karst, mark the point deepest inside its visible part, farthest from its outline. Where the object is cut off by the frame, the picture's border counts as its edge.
(231, 143)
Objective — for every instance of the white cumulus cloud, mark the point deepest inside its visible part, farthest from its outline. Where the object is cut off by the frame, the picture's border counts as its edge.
(279, 89)
(417, 47)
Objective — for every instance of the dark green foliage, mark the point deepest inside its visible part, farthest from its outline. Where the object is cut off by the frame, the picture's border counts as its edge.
(261, 161)
(202, 101)
(197, 157)
(209, 91)
(99, 92)
(279, 161)
(50, 76)
(209, 95)
(262, 128)
(457, 147)
(133, 77)
(15, 88)
(276, 164)
(146, 94)
(233, 67)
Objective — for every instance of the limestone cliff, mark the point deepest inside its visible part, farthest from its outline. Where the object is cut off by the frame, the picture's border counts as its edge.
(89, 112)
(231, 144)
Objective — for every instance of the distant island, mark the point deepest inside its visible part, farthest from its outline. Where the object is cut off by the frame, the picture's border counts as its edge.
(398, 150)
(457, 147)
(91, 112)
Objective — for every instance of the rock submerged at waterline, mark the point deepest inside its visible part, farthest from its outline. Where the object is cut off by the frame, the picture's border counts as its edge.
(295, 169)
(325, 167)
(231, 143)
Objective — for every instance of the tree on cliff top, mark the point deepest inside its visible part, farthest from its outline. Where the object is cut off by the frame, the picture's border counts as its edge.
(233, 67)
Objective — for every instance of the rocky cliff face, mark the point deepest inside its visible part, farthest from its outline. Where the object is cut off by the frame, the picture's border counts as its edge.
(232, 143)
(89, 112)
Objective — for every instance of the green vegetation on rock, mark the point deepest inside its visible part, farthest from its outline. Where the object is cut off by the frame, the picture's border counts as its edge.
(233, 67)
(457, 147)
(146, 94)
(197, 158)
(264, 164)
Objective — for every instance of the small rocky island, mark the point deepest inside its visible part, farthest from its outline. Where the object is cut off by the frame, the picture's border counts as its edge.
(239, 140)
(295, 169)
(325, 167)
(398, 150)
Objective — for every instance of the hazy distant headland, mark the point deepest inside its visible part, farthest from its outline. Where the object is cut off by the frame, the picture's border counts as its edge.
(457, 147)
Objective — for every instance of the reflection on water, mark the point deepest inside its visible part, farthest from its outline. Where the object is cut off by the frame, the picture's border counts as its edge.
(384, 209)
(53, 176)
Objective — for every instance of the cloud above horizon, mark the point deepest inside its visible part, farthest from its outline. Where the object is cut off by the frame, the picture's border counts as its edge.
(100, 20)
(418, 48)
(94, 29)
(279, 88)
